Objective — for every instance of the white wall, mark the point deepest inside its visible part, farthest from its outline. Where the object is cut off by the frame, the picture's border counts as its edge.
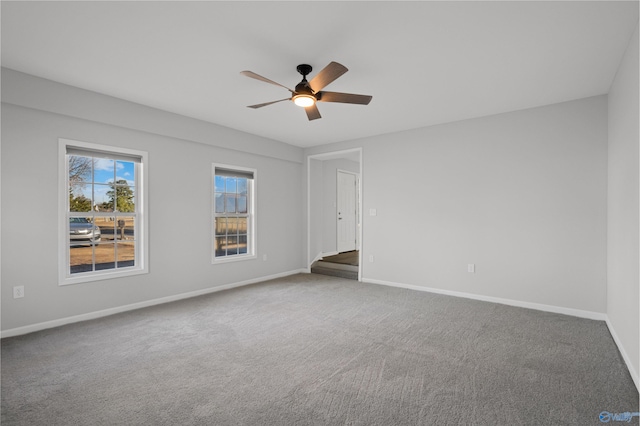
(179, 191)
(521, 195)
(623, 295)
(329, 196)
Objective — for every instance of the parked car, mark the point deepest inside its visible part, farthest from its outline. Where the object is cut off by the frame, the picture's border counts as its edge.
(82, 230)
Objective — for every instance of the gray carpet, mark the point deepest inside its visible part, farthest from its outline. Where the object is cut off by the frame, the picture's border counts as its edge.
(317, 350)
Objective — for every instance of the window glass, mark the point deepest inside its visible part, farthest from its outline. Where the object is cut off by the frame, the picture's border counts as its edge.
(103, 170)
(233, 213)
(126, 254)
(241, 204)
(103, 219)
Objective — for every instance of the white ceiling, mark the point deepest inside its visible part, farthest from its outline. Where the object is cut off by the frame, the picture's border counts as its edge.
(424, 62)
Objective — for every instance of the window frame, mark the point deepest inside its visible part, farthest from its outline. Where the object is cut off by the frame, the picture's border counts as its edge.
(251, 215)
(141, 223)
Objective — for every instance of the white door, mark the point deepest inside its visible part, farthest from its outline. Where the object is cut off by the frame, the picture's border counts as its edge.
(346, 211)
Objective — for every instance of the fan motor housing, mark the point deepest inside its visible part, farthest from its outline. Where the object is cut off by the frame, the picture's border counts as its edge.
(303, 88)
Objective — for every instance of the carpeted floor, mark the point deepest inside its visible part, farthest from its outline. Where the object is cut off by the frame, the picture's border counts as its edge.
(317, 350)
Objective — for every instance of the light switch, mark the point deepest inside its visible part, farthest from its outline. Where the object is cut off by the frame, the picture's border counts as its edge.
(373, 212)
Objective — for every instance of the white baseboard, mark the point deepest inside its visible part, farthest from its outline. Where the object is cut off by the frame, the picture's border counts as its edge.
(111, 311)
(538, 306)
(625, 356)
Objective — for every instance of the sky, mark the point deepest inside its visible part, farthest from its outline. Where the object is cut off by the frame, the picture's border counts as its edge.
(104, 171)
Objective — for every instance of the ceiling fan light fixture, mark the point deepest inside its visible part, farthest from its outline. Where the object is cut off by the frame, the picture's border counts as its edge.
(303, 100)
(308, 93)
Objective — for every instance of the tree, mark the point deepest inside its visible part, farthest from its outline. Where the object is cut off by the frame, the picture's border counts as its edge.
(121, 196)
(79, 171)
(79, 175)
(79, 204)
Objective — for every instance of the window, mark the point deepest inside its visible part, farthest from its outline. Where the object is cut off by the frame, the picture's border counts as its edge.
(102, 191)
(233, 213)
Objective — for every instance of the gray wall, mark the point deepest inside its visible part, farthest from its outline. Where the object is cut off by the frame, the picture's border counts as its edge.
(623, 254)
(521, 195)
(179, 199)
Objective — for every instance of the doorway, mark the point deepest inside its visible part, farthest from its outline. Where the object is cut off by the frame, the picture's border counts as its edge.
(333, 208)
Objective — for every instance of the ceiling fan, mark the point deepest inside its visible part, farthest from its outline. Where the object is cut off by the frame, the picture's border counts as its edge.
(307, 93)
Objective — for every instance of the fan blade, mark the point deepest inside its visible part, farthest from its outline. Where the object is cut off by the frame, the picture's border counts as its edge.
(347, 98)
(326, 76)
(267, 103)
(261, 78)
(312, 112)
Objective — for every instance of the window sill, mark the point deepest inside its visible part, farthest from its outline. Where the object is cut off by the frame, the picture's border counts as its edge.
(230, 259)
(107, 275)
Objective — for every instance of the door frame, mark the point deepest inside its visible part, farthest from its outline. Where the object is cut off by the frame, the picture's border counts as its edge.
(332, 155)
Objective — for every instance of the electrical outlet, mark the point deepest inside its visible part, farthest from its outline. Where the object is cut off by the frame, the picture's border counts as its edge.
(471, 267)
(371, 258)
(18, 292)
(264, 257)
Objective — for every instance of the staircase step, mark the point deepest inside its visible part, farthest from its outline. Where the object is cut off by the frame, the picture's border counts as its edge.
(333, 265)
(351, 275)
